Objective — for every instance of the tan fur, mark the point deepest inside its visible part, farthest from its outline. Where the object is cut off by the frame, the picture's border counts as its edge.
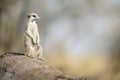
(32, 39)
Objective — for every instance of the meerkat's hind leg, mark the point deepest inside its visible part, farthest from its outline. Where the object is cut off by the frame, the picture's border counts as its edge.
(39, 52)
(29, 51)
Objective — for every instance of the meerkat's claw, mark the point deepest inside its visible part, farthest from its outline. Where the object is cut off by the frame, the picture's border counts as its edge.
(41, 59)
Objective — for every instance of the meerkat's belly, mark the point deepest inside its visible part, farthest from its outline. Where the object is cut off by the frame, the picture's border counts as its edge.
(28, 41)
(35, 31)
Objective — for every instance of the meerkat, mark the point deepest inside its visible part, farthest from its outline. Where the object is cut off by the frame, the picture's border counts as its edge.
(32, 38)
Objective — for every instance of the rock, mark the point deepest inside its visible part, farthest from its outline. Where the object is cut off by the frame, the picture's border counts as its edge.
(16, 66)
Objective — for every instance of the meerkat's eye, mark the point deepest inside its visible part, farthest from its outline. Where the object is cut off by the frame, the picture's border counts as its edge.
(34, 15)
(28, 16)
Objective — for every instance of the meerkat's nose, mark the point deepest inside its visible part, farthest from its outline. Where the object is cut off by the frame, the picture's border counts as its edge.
(38, 18)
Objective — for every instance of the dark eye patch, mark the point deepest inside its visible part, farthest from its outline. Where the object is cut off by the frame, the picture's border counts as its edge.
(34, 15)
(28, 16)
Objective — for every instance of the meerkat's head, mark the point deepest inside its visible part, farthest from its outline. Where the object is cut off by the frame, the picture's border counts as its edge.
(33, 17)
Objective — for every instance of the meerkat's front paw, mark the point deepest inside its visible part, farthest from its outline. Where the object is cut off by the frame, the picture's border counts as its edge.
(34, 43)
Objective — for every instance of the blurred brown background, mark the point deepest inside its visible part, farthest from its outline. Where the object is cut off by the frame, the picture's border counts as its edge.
(79, 37)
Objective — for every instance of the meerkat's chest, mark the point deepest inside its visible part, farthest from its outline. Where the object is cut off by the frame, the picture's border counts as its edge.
(34, 27)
